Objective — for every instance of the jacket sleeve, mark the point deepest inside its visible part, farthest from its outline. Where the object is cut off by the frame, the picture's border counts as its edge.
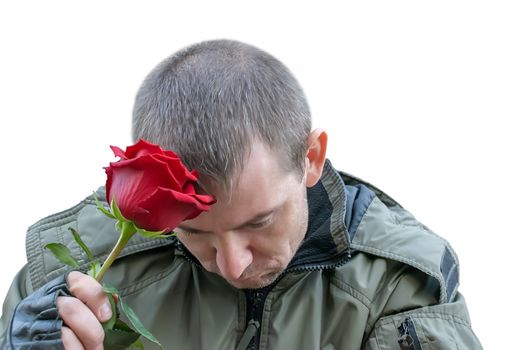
(30, 320)
(17, 292)
(437, 327)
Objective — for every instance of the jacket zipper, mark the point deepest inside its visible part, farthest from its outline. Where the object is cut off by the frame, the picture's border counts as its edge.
(255, 303)
(317, 267)
(408, 339)
(250, 337)
(255, 299)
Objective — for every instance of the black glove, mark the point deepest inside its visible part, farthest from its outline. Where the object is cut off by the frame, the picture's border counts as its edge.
(36, 324)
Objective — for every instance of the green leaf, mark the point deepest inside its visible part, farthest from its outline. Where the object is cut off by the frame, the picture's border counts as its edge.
(62, 253)
(173, 234)
(114, 314)
(81, 243)
(116, 211)
(121, 326)
(151, 234)
(108, 288)
(118, 226)
(121, 337)
(139, 327)
(138, 344)
(102, 208)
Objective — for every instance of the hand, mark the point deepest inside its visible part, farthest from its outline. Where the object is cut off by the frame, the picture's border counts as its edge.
(83, 313)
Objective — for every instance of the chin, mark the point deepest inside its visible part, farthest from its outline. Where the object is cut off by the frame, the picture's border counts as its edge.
(256, 282)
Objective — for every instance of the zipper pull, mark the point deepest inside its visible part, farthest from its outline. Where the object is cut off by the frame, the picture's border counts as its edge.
(408, 339)
(248, 334)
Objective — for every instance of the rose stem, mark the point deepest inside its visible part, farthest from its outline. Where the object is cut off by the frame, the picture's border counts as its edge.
(126, 232)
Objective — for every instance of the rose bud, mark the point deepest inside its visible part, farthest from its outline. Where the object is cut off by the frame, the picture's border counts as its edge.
(152, 187)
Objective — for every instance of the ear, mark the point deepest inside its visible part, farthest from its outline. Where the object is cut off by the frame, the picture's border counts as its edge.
(315, 156)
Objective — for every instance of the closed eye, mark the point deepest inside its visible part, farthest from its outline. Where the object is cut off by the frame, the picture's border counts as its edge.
(259, 224)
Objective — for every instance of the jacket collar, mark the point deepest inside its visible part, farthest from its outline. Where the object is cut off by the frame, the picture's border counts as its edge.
(335, 210)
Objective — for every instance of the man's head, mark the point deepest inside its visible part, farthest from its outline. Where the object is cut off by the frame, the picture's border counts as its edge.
(238, 116)
(210, 101)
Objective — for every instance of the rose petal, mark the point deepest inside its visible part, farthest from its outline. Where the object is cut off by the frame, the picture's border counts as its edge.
(188, 188)
(202, 205)
(142, 148)
(167, 209)
(118, 152)
(177, 168)
(205, 199)
(129, 182)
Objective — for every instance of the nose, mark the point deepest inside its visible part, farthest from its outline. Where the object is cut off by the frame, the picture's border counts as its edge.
(233, 256)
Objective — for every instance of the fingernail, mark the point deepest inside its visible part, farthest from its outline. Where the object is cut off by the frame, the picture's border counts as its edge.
(105, 312)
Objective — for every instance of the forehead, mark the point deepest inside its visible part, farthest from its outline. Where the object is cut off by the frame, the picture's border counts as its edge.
(259, 163)
(262, 185)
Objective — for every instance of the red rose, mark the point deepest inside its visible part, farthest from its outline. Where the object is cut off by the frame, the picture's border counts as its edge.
(152, 187)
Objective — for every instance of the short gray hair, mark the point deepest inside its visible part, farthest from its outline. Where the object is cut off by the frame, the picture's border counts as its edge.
(209, 102)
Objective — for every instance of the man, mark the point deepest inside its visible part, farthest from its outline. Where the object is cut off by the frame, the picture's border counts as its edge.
(294, 255)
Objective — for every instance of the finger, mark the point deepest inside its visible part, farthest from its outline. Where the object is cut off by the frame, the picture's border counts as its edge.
(79, 318)
(70, 340)
(87, 289)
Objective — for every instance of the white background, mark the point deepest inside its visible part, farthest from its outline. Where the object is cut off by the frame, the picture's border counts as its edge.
(423, 99)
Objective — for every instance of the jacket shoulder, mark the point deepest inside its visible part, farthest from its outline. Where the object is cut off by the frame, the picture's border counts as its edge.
(97, 231)
(386, 230)
(393, 233)
(407, 278)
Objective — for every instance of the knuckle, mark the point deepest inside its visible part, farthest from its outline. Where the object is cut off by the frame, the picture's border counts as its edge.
(76, 288)
(68, 305)
(73, 277)
(85, 287)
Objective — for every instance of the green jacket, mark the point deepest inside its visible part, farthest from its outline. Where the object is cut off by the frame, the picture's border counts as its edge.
(367, 276)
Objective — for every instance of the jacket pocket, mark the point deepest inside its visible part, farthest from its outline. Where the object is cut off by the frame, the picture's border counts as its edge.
(438, 327)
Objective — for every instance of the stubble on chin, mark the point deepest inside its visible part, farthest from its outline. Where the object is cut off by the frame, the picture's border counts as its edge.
(258, 283)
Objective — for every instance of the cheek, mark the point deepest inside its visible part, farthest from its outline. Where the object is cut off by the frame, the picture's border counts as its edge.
(278, 243)
(201, 248)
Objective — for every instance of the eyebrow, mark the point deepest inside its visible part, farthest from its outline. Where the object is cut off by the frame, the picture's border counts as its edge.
(255, 218)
